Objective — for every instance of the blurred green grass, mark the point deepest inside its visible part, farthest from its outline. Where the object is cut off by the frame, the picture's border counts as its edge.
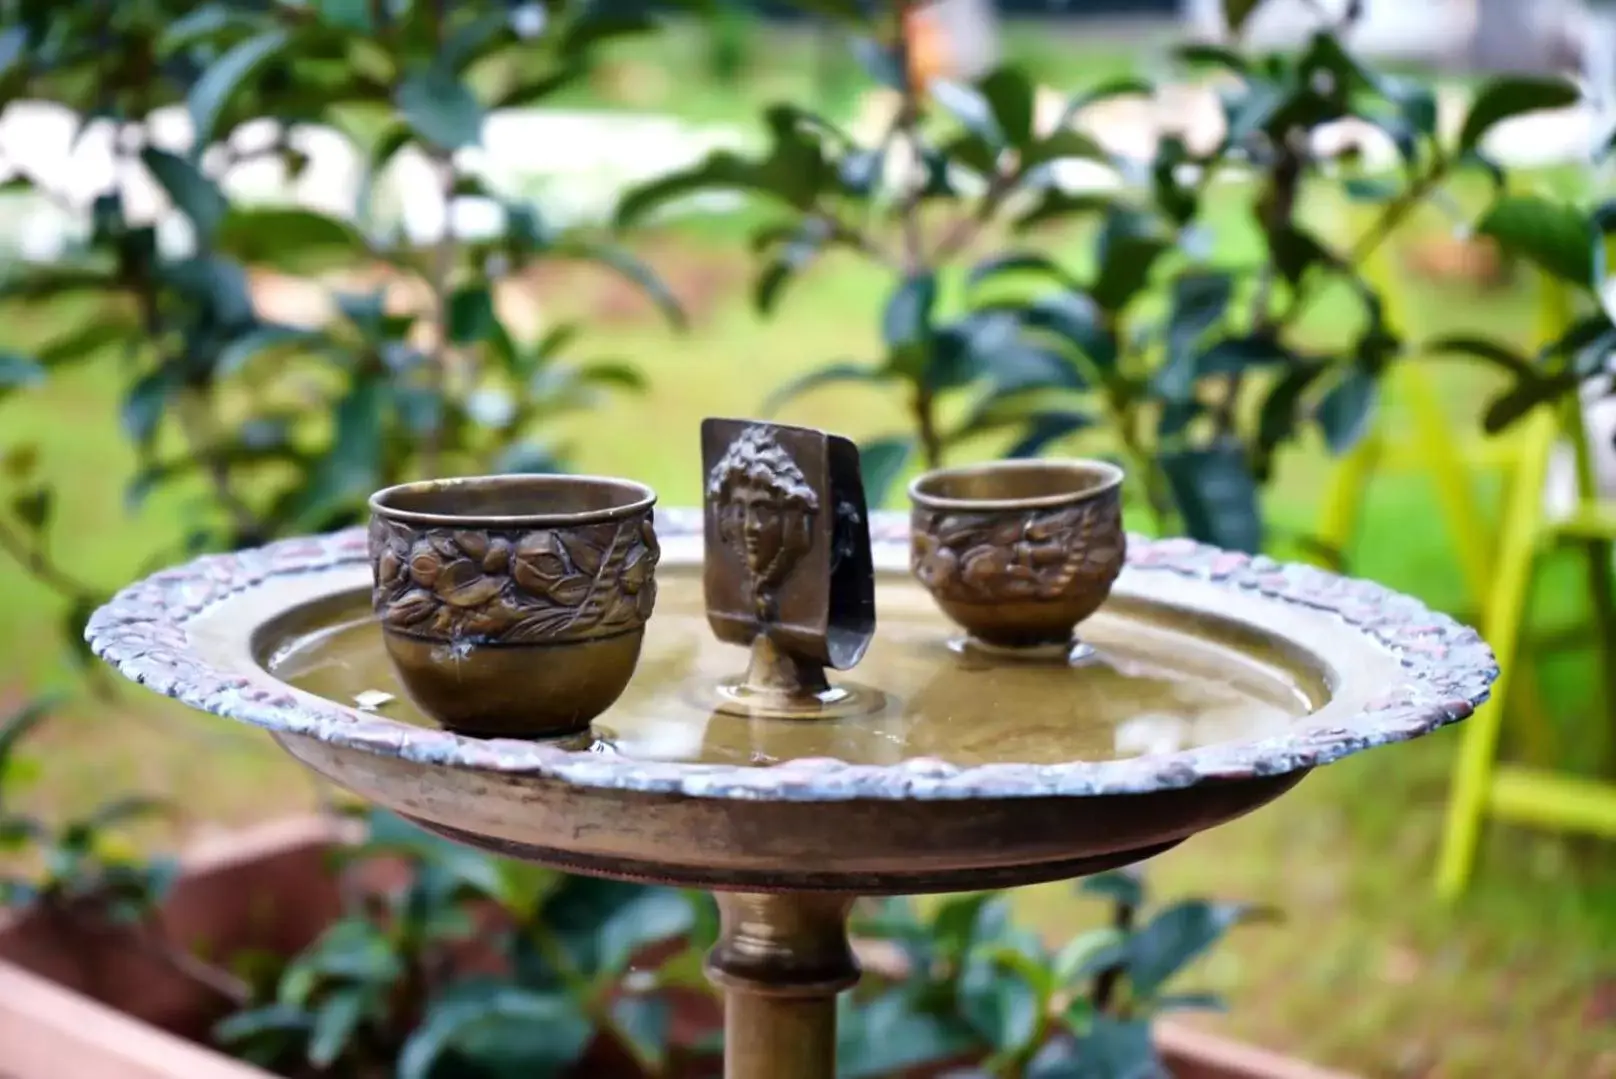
(1368, 972)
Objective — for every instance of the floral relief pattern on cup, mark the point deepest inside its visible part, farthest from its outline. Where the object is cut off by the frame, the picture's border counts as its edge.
(1040, 555)
(514, 587)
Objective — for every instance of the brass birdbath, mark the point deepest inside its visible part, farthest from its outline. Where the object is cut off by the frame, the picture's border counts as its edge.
(1215, 682)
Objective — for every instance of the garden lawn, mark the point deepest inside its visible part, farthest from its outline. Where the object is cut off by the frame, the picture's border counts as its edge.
(1366, 972)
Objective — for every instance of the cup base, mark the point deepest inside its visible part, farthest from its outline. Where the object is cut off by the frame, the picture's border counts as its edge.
(736, 698)
(1069, 653)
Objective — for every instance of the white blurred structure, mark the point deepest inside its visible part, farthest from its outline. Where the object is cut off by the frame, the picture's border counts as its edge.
(1528, 34)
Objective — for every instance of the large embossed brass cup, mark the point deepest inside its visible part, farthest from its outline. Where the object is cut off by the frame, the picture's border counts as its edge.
(1019, 552)
(514, 606)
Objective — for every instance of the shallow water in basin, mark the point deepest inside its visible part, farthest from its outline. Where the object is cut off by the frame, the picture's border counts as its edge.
(1160, 680)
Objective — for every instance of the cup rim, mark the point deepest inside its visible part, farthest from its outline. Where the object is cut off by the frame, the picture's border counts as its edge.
(1106, 475)
(638, 497)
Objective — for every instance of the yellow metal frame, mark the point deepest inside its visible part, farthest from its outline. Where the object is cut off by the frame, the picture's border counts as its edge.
(1499, 583)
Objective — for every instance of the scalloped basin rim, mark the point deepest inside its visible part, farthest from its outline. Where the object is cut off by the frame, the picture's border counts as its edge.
(1395, 670)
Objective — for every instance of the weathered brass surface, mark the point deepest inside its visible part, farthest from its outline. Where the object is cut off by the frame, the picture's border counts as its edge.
(788, 569)
(1019, 552)
(1178, 666)
(1161, 681)
(781, 960)
(513, 605)
(972, 771)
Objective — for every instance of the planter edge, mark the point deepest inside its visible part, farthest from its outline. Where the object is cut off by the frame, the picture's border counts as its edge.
(51, 1031)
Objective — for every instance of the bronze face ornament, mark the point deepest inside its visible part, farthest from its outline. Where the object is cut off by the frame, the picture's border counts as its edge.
(514, 606)
(1019, 553)
(787, 569)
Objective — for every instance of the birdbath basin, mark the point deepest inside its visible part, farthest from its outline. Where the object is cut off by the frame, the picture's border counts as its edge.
(1215, 682)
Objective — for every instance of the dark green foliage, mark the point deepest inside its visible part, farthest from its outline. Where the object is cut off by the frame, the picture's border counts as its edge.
(389, 989)
(977, 985)
(1190, 370)
(81, 873)
(283, 429)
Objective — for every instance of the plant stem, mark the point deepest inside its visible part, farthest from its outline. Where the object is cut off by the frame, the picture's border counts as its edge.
(931, 443)
(443, 257)
(38, 564)
(581, 990)
(907, 126)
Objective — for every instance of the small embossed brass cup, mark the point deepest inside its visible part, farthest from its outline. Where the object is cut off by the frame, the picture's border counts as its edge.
(1019, 552)
(514, 606)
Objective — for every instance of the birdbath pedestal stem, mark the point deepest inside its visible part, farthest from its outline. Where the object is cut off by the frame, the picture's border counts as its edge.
(781, 959)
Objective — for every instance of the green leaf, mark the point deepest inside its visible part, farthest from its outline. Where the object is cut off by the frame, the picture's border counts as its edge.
(955, 921)
(290, 239)
(1089, 953)
(881, 462)
(802, 244)
(351, 468)
(1045, 428)
(1481, 348)
(261, 339)
(906, 321)
(828, 375)
(616, 373)
(1553, 235)
(84, 342)
(1216, 494)
(1113, 1049)
(1123, 86)
(1018, 263)
(970, 107)
(890, 1035)
(196, 196)
(1009, 94)
(1054, 205)
(1209, 55)
(1128, 247)
(881, 63)
(1295, 251)
(17, 726)
(346, 14)
(1000, 1007)
(644, 1021)
(503, 1025)
(253, 1023)
(18, 371)
(1345, 410)
(1237, 12)
(1180, 1002)
(1236, 355)
(1175, 937)
(1063, 144)
(719, 171)
(1277, 418)
(1252, 110)
(1074, 318)
(334, 1025)
(144, 404)
(1371, 189)
(1200, 300)
(1415, 101)
(1522, 398)
(1121, 886)
(212, 92)
(442, 109)
(1510, 96)
(126, 810)
(471, 314)
(652, 917)
(632, 269)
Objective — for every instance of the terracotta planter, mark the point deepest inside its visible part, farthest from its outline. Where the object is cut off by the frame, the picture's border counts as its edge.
(78, 1004)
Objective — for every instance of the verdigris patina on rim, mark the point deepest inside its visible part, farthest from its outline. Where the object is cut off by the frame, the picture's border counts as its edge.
(143, 633)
